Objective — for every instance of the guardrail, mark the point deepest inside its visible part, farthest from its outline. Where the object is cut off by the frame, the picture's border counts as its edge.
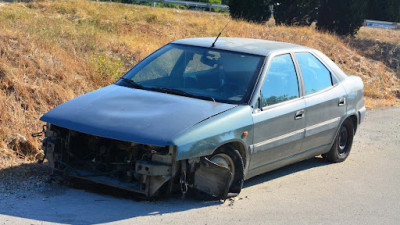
(382, 24)
(188, 4)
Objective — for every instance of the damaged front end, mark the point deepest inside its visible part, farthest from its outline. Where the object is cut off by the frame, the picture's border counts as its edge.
(136, 167)
(145, 169)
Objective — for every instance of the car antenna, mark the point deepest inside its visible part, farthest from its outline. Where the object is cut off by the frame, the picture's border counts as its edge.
(213, 44)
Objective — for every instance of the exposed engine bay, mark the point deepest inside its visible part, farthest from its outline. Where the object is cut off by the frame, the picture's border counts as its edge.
(144, 169)
(135, 167)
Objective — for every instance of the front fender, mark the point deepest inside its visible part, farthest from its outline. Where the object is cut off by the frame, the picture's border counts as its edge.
(205, 137)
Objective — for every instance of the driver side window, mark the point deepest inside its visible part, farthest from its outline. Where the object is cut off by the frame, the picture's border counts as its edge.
(280, 82)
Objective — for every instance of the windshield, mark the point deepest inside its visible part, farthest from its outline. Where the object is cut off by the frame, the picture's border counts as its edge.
(205, 73)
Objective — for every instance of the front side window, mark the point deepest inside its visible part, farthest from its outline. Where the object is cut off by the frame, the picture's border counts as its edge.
(280, 82)
(205, 73)
(315, 75)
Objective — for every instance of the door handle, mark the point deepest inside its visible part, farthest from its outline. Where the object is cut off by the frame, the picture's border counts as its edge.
(342, 101)
(299, 115)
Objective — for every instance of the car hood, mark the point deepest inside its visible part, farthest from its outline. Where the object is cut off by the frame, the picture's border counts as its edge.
(133, 115)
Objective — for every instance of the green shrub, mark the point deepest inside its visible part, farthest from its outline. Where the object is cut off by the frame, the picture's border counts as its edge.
(344, 17)
(388, 10)
(251, 10)
(295, 12)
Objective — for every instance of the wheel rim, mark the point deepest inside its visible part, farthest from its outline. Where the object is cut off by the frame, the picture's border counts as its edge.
(343, 140)
(224, 161)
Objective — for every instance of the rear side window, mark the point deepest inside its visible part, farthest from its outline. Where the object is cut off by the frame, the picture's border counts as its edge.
(315, 75)
(281, 81)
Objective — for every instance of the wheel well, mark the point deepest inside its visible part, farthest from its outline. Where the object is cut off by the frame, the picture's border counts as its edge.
(238, 146)
(355, 122)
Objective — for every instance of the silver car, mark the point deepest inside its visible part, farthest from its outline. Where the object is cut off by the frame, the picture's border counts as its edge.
(203, 116)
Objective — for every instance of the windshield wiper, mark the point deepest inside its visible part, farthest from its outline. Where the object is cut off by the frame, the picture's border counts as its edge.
(182, 93)
(133, 83)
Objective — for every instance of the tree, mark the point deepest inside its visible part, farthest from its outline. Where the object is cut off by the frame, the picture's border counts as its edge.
(388, 10)
(206, 1)
(251, 10)
(344, 17)
(295, 12)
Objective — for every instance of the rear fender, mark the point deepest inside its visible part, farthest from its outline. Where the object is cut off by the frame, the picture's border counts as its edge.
(355, 103)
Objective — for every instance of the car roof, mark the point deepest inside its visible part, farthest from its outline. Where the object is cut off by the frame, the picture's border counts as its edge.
(245, 45)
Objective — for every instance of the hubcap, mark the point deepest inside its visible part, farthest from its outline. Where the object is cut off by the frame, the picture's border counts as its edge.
(343, 137)
(225, 161)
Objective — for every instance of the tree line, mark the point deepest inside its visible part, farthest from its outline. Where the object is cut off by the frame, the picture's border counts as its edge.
(343, 17)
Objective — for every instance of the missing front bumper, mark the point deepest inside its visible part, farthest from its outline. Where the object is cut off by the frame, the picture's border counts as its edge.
(134, 167)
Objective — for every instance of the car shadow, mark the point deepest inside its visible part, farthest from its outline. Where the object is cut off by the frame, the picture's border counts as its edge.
(24, 194)
(89, 203)
(316, 161)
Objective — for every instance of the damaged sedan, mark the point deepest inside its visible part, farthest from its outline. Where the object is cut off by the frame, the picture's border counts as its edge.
(201, 115)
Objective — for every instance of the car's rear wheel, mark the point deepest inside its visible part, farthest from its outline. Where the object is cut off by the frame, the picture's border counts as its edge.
(341, 147)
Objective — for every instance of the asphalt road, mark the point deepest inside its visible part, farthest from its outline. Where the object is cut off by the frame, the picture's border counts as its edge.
(365, 189)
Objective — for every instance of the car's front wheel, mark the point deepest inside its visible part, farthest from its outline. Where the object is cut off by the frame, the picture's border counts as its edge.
(341, 147)
(230, 158)
(219, 175)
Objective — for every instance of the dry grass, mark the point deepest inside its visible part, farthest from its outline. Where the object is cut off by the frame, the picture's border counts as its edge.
(52, 51)
(380, 45)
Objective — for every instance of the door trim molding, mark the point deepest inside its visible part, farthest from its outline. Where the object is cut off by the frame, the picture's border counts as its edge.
(279, 138)
(301, 153)
(326, 125)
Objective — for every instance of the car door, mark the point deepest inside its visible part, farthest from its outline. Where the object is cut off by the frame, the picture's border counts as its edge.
(279, 124)
(325, 103)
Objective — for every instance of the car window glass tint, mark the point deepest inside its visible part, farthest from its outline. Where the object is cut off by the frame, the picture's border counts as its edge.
(224, 76)
(196, 64)
(315, 75)
(161, 67)
(281, 81)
